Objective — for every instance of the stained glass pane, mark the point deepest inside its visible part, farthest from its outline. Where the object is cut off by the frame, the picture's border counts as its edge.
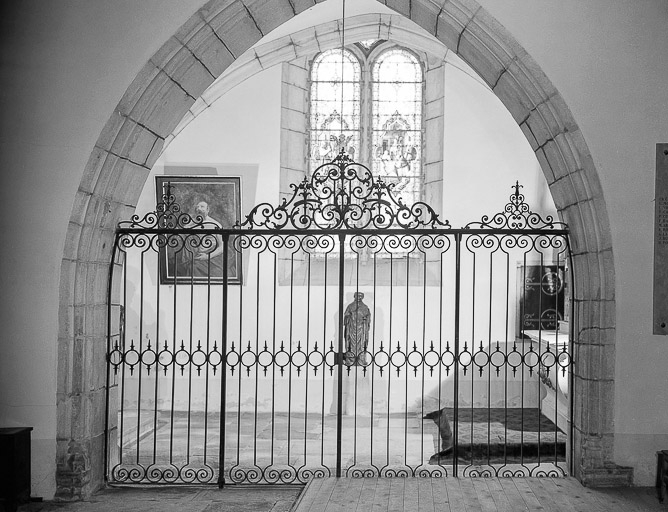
(397, 122)
(335, 106)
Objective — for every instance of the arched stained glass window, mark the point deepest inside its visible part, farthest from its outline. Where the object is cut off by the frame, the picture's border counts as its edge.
(335, 106)
(380, 95)
(397, 122)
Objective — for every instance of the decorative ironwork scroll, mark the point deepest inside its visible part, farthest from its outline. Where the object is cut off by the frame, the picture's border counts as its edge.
(168, 215)
(516, 215)
(343, 194)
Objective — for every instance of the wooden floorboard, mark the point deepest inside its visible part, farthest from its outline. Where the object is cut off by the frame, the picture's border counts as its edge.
(471, 494)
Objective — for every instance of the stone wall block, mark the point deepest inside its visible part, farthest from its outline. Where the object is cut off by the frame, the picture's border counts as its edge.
(206, 46)
(301, 43)
(581, 151)
(267, 56)
(130, 98)
(293, 98)
(596, 276)
(162, 105)
(235, 28)
(593, 278)
(131, 181)
(106, 176)
(569, 151)
(92, 170)
(97, 468)
(573, 216)
(513, 96)
(293, 120)
(65, 361)
(529, 136)
(111, 130)
(580, 191)
(188, 71)
(63, 416)
(96, 325)
(580, 401)
(480, 58)
(433, 172)
(558, 105)
(434, 109)
(608, 314)
(541, 86)
(85, 240)
(433, 195)
(153, 155)
(549, 175)
(561, 189)
(292, 146)
(589, 223)
(434, 140)
(191, 28)
(607, 266)
(539, 127)
(302, 5)
(582, 277)
(72, 241)
(295, 74)
(100, 355)
(66, 316)
(327, 32)
(166, 53)
(424, 14)
(98, 411)
(99, 283)
(558, 162)
(449, 28)
(80, 207)
(578, 456)
(401, 6)
(551, 118)
(531, 91)
(269, 14)
(435, 80)
(134, 142)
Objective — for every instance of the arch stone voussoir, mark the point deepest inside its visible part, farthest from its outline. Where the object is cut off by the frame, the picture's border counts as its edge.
(163, 93)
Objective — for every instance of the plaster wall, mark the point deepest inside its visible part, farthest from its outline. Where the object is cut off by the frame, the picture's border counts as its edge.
(66, 65)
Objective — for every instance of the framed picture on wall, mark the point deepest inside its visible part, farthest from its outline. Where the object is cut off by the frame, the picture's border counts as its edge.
(191, 258)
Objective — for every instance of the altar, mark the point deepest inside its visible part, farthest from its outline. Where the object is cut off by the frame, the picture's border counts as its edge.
(556, 403)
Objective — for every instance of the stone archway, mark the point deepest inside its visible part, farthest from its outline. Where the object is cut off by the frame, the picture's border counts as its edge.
(159, 98)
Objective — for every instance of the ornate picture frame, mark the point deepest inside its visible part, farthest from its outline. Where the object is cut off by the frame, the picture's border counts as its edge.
(207, 203)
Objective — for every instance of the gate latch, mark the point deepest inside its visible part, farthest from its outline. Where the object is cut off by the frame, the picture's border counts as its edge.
(339, 358)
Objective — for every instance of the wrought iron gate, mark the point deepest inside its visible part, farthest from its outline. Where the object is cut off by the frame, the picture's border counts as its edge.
(347, 334)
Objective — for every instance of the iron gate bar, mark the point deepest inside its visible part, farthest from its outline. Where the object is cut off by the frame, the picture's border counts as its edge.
(341, 199)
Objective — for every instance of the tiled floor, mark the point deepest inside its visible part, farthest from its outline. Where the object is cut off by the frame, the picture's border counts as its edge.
(255, 443)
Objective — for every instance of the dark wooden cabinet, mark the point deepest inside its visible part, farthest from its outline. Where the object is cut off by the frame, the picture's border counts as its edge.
(14, 467)
(661, 474)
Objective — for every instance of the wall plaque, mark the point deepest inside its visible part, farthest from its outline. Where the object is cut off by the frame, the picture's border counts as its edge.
(660, 323)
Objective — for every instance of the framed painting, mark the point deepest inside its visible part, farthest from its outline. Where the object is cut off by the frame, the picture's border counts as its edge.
(212, 202)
